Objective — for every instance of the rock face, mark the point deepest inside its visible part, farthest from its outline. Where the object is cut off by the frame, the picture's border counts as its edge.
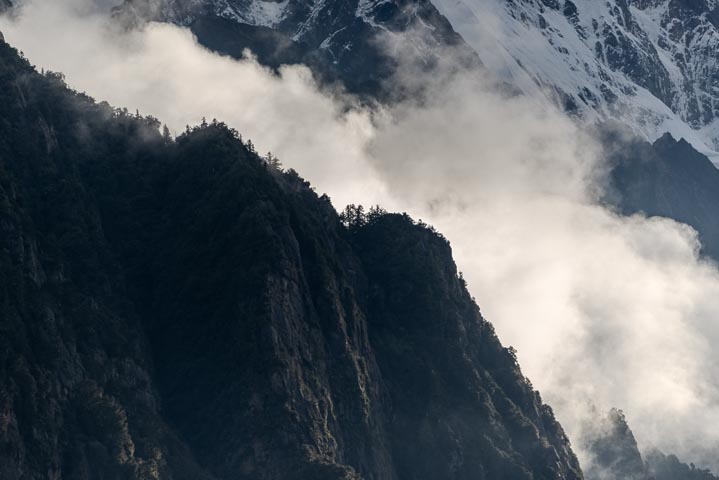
(183, 310)
(668, 178)
(349, 42)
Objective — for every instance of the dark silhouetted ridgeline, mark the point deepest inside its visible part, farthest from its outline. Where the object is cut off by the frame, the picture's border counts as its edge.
(182, 309)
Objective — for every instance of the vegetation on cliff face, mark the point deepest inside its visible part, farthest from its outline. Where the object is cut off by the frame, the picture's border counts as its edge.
(614, 450)
(183, 309)
(615, 454)
(668, 467)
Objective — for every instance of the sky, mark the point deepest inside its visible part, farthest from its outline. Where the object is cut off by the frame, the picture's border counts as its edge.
(604, 310)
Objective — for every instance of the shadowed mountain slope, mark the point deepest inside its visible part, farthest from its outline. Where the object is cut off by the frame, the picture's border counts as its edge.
(180, 309)
(357, 44)
(668, 178)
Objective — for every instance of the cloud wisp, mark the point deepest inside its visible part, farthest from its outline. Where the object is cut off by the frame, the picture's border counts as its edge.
(603, 309)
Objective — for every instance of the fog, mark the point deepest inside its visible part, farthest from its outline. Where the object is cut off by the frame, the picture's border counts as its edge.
(605, 311)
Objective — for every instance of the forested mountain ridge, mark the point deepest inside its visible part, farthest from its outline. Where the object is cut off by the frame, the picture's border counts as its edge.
(182, 309)
(614, 454)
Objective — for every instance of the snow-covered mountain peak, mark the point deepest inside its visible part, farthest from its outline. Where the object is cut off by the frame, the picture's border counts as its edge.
(650, 63)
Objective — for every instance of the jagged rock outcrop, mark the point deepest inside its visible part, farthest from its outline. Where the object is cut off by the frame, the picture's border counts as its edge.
(668, 178)
(180, 309)
(614, 450)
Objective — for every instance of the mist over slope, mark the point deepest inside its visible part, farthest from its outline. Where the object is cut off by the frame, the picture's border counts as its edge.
(604, 309)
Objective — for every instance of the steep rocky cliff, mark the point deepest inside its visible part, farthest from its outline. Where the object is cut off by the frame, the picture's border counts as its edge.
(181, 309)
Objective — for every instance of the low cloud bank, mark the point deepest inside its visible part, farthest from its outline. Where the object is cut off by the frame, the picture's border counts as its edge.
(604, 310)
